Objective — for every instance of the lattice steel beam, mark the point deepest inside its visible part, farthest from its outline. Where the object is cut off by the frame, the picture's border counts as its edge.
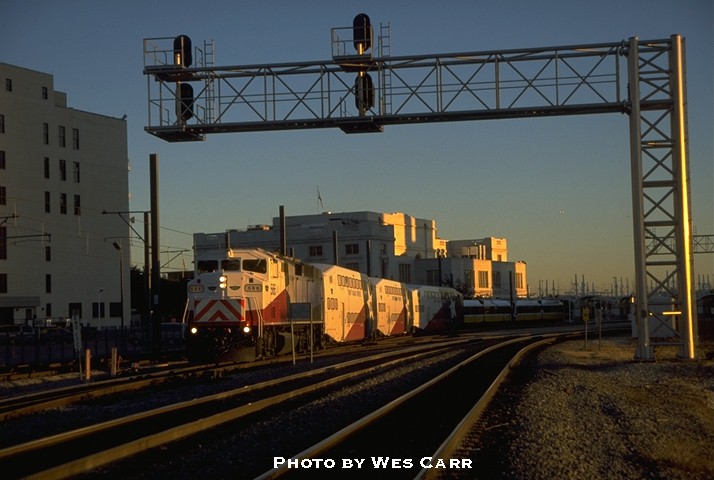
(416, 89)
(666, 311)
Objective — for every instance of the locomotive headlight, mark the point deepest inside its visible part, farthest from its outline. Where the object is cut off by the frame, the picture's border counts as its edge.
(246, 329)
(223, 281)
(194, 330)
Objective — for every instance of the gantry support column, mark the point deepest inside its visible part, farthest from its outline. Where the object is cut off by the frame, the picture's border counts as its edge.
(664, 310)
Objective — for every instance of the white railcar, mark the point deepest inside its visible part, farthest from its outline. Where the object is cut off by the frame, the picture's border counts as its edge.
(436, 308)
(347, 300)
(392, 306)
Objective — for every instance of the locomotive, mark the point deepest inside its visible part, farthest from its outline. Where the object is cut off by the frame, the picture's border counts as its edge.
(250, 303)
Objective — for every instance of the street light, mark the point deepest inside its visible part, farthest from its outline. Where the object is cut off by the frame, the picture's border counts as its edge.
(121, 282)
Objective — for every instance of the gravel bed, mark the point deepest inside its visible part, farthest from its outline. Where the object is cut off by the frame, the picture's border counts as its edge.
(576, 414)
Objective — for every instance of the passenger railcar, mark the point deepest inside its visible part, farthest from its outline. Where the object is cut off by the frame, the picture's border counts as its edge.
(348, 309)
(548, 309)
(436, 308)
(486, 310)
(393, 307)
(480, 310)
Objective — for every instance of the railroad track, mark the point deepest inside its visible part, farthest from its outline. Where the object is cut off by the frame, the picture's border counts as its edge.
(27, 403)
(395, 441)
(102, 447)
(90, 447)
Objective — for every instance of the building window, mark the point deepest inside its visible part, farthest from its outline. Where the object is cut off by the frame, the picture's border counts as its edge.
(63, 170)
(432, 277)
(47, 167)
(98, 310)
(45, 93)
(2, 123)
(48, 253)
(3, 195)
(48, 283)
(3, 243)
(2, 159)
(352, 248)
(47, 202)
(77, 205)
(46, 133)
(62, 136)
(75, 310)
(48, 310)
(405, 272)
(63, 203)
(75, 172)
(496, 280)
(75, 138)
(8, 84)
(115, 309)
(519, 280)
(316, 251)
(482, 279)
(3, 282)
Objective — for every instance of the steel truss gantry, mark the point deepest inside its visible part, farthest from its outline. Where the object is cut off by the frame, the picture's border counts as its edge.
(644, 79)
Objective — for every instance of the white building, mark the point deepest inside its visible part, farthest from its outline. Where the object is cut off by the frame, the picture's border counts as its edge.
(60, 168)
(490, 248)
(396, 246)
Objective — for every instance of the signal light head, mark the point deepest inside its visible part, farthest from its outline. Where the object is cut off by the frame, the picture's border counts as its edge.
(184, 102)
(183, 56)
(362, 33)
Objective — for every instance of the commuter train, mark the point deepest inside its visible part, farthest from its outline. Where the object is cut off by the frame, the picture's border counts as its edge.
(249, 303)
(485, 310)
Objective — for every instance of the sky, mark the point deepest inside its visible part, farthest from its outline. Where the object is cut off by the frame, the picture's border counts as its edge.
(558, 189)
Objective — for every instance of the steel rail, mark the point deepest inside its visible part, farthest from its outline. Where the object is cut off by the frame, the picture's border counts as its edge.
(118, 452)
(450, 444)
(26, 403)
(351, 429)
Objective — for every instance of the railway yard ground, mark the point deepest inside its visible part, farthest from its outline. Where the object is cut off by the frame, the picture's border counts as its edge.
(583, 414)
(574, 413)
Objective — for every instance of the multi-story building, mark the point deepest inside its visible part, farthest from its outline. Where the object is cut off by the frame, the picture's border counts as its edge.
(490, 248)
(60, 169)
(389, 245)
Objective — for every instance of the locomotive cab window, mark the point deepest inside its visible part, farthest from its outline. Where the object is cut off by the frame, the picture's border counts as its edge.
(257, 265)
(232, 265)
(207, 266)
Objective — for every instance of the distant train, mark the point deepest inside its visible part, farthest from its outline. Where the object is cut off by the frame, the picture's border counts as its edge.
(247, 303)
(486, 310)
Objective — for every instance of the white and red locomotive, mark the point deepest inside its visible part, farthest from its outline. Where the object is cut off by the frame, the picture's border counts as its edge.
(247, 303)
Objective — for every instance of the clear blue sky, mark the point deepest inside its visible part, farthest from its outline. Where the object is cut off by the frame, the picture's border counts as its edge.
(558, 189)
